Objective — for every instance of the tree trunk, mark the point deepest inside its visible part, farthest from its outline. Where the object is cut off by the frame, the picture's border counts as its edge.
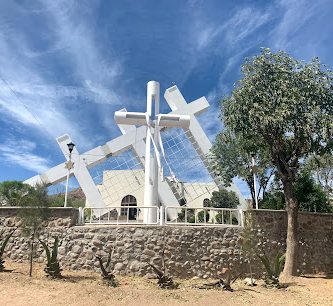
(32, 251)
(290, 267)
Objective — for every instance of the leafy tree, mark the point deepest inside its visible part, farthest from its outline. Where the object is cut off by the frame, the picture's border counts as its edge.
(285, 107)
(274, 200)
(232, 156)
(14, 193)
(34, 213)
(224, 199)
(310, 196)
(321, 168)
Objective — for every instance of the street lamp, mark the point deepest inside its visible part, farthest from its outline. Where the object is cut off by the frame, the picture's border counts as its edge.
(254, 171)
(69, 166)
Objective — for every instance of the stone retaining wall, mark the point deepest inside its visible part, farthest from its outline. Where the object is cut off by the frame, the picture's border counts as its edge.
(58, 216)
(188, 251)
(315, 237)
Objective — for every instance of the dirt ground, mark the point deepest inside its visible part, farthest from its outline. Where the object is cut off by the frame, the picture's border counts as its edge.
(82, 288)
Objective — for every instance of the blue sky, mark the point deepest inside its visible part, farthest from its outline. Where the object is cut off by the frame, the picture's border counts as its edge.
(67, 66)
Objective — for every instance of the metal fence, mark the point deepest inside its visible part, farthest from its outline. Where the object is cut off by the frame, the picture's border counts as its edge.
(181, 215)
(119, 215)
(204, 216)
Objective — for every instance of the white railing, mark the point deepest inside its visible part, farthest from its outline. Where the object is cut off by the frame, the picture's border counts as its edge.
(132, 215)
(119, 215)
(204, 216)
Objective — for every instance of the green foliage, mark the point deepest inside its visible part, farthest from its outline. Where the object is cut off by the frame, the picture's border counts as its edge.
(14, 193)
(4, 241)
(321, 169)
(164, 281)
(274, 200)
(283, 107)
(227, 219)
(310, 196)
(201, 216)
(75, 199)
(189, 215)
(224, 199)
(191, 219)
(108, 277)
(35, 209)
(282, 104)
(232, 157)
(34, 212)
(219, 219)
(274, 269)
(254, 244)
(52, 268)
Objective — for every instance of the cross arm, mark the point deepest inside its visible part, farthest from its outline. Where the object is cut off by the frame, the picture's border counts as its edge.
(178, 104)
(54, 175)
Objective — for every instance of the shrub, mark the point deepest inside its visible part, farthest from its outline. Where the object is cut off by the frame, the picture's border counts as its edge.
(164, 281)
(224, 283)
(201, 216)
(108, 277)
(274, 269)
(3, 244)
(33, 214)
(254, 243)
(189, 215)
(226, 219)
(52, 268)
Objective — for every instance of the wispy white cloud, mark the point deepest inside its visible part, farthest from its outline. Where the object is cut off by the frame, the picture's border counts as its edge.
(244, 22)
(207, 34)
(46, 103)
(79, 39)
(295, 15)
(21, 153)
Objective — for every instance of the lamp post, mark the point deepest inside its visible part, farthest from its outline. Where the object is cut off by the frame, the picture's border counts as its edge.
(69, 166)
(254, 171)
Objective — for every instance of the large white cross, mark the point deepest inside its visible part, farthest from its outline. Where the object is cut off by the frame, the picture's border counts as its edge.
(153, 123)
(132, 138)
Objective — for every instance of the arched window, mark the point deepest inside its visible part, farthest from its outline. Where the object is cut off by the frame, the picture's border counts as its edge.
(129, 200)
(206, 202)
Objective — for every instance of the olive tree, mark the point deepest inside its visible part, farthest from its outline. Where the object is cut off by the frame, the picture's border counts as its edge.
(283, 106)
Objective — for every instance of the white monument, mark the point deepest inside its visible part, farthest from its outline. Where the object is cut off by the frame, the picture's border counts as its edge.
(153, 122)
(134, 138)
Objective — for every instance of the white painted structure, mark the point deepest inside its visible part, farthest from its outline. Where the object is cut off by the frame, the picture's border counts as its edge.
(130, 183)
(132, 138)
(123, 194)
(153, 122)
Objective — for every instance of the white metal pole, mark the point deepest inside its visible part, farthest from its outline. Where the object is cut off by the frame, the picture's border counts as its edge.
(161, 215)
(156, 93)
(67, 179)
(255, 183)
(150, 180)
